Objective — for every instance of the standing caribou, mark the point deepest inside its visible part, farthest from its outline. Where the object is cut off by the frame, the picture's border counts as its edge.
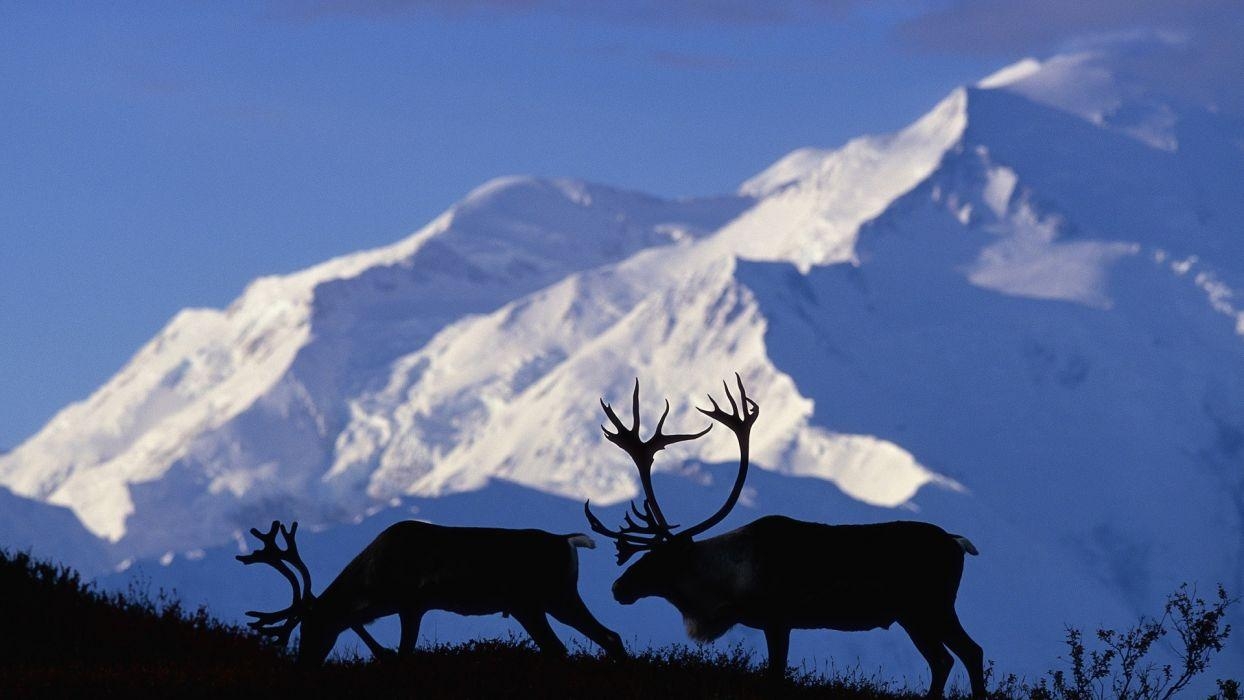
(776, 574)
(414, 567)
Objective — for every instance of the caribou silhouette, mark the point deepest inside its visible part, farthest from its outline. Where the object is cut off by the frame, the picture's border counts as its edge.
(413, 567)
(776, 574)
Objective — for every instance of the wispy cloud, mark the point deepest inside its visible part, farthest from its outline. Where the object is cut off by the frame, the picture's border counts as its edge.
(680, 13)
(1192, 48)
(1194, 45)
(1007, 26)
(313, 10)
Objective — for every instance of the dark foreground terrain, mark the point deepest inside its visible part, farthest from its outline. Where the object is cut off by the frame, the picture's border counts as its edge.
(60, 636)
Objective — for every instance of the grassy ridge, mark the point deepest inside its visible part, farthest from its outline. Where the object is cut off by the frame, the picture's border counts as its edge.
(484, 669)
(490, 669)
(49, 616)
(61, 636)
(58, 632)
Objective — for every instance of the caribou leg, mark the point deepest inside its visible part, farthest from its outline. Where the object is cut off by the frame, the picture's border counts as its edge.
(778, 641)
(537, 625)
(377, 649)
(575, 614)
(410, 620)
(969, 652)
(930, 647)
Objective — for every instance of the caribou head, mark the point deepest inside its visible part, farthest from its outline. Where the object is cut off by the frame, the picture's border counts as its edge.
(317, 638)
(668, 553)
(280, 624)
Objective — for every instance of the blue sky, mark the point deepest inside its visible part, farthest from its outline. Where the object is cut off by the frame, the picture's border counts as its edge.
(155, 156)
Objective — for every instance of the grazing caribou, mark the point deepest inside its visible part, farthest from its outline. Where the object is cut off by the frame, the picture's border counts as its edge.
(414, 567)
(776, 574)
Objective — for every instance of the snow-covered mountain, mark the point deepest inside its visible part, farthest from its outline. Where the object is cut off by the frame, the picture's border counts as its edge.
(1017, 318)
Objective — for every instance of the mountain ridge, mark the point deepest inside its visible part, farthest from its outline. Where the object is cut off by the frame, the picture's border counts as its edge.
(286, 366)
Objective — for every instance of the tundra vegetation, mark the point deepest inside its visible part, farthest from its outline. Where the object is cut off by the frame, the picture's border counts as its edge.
(59, 635)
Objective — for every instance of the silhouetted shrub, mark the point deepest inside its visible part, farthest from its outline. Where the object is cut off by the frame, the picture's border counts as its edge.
(1121, 667)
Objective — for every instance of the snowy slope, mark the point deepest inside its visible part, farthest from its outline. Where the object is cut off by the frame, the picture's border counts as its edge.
(1017, 318)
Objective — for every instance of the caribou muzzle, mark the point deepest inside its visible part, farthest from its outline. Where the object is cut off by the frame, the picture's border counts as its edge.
(622, 595)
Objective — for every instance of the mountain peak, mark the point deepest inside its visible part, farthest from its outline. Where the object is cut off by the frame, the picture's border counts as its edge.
(923, 141)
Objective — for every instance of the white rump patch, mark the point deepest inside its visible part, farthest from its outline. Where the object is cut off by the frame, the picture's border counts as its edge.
(581, 540)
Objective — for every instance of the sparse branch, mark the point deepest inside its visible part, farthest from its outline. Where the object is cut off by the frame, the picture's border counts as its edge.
(1121, 668)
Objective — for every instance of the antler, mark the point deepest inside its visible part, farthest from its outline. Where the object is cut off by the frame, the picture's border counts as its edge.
(652, 527)
(280, 624)
(741, 425)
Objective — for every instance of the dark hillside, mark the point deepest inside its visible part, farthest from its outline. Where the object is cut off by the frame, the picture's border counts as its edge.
(60, 636)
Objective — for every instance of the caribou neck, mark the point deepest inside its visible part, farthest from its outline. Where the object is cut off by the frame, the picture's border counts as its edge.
(716, 575)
